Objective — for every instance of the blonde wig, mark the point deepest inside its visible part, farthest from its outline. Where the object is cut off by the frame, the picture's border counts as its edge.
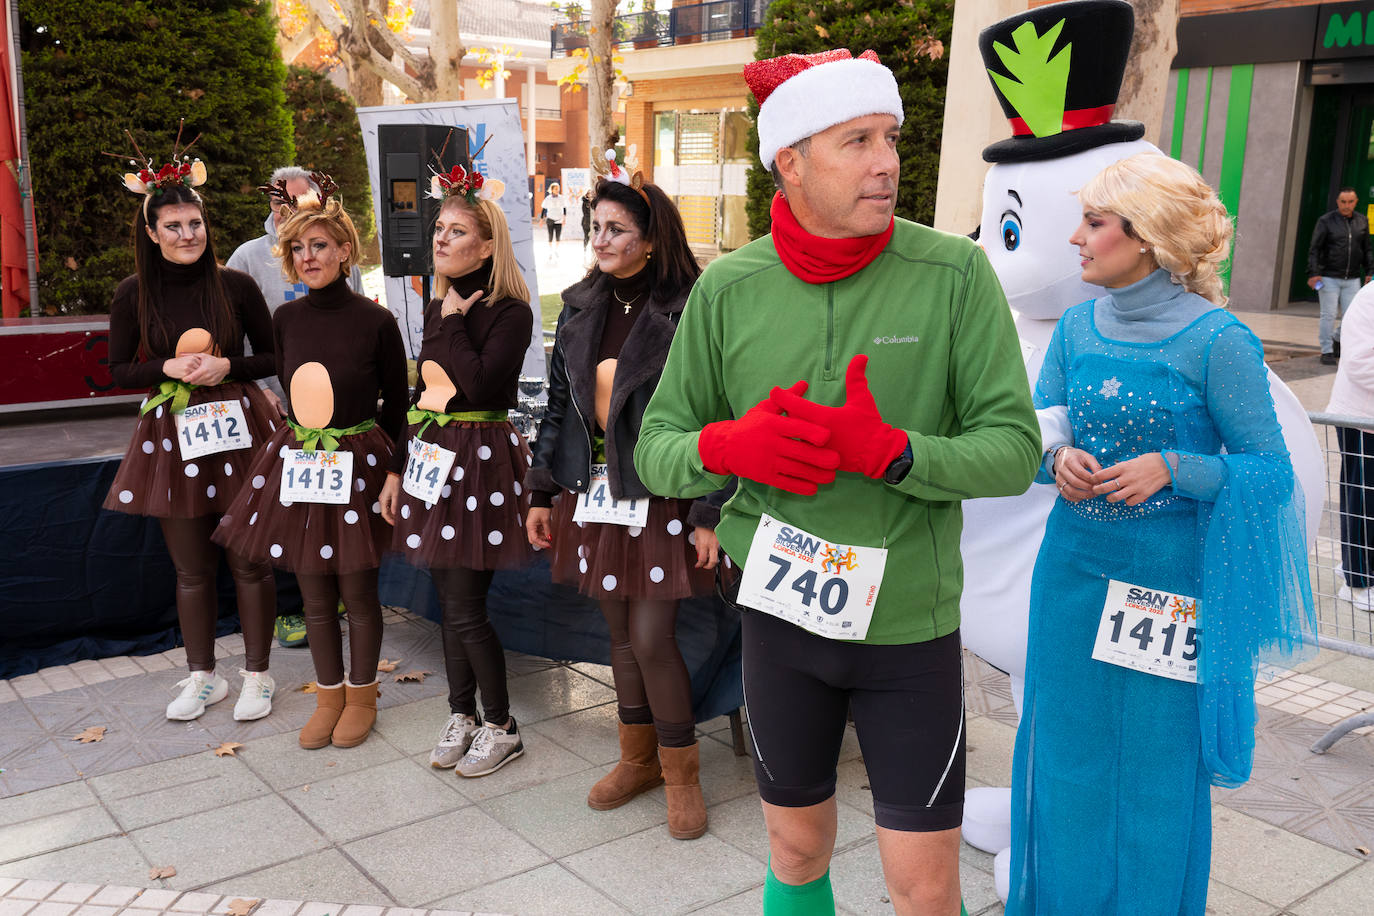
(1176, 214)
(506, 280)
(336, 224)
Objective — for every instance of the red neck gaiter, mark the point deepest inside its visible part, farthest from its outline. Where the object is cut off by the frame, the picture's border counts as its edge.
(818, 260)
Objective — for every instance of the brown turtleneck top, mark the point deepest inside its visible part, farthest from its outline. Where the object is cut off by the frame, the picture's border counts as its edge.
(137, 363)
(481, 352)
(358, 343)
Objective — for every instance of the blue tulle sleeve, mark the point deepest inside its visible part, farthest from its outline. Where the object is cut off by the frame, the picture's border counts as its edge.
(1051, 392)
(1256, 596)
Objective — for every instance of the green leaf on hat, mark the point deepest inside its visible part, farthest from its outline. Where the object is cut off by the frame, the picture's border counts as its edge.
(1042, 81)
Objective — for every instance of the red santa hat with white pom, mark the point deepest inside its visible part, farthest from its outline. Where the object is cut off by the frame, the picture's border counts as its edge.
(803, 94)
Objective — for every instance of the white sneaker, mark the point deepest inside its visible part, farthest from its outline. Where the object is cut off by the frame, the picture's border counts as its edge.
(1362, 598)
(198, 691)
(255, 699)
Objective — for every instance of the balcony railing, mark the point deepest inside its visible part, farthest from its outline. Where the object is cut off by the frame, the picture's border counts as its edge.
(683, 25)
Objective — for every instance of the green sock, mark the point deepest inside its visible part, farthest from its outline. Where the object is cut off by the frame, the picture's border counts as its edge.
(963, 910)
(814, 898)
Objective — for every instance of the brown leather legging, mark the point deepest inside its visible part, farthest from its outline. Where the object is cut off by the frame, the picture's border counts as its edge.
(321, 594)
(197, 565)
(651, 679)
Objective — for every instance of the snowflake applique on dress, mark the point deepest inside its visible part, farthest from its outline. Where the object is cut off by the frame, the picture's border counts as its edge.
(1110, 387)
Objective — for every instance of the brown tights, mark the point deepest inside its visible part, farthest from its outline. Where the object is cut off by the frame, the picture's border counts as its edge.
(197, 564)
(321, 594)
(651, 679)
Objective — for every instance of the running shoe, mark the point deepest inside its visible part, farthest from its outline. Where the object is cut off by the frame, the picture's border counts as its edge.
(201, 689)
(454, 742)
(290, 630)
(492, 748)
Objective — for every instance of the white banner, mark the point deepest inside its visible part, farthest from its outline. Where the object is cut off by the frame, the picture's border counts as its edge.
(503, 158)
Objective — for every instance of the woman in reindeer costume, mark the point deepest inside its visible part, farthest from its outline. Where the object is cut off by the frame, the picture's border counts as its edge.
(636, 554)
(454, 494)
(177, 327)
(310, 501)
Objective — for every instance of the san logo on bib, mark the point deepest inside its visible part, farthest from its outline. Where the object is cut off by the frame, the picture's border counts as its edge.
(798, 545)
(1144, 598)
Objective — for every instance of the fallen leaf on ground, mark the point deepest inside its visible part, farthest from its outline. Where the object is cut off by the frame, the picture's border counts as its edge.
(240, 907)
(332, 763)
(1362, 850)
(306, 787)
(388, 664)
(227, 748)
(92, 733)
(309, 687)
(162, 871)
(416, 676)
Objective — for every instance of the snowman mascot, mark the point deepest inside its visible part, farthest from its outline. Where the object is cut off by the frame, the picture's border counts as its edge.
(1056, 71)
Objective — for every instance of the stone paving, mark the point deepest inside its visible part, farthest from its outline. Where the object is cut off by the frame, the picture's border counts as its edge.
(376, 830)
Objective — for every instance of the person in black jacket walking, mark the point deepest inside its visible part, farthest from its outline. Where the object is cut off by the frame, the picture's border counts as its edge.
(1339, 262)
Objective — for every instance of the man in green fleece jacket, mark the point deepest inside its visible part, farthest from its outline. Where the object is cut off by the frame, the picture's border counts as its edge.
(907, 395)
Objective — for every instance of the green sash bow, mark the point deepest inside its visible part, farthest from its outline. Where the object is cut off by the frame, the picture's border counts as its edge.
(425, 417)
(329, 436)
(174, 390)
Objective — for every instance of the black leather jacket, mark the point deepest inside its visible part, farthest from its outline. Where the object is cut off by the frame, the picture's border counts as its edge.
(563, 449)
(1340, 247)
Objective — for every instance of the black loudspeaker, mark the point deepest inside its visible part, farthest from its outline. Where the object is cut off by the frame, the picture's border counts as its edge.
(408, 155)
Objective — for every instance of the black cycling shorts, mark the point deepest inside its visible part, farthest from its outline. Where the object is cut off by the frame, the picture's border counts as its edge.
(907, 702)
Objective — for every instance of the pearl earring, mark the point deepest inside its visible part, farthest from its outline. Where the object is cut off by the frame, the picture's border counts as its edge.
(1144, 250)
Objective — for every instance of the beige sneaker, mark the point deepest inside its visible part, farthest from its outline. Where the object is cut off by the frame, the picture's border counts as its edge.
(492, 748)
(454, 742)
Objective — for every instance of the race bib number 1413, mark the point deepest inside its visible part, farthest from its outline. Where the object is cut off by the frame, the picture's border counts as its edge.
(316, 477)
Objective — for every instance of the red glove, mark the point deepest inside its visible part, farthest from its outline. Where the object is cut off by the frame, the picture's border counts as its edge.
(866, 444)
(765, 446)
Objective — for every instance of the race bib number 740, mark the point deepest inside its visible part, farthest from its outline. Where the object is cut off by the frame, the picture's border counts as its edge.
(827, 588)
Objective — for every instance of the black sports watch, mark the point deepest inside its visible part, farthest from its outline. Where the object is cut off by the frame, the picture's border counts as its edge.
(901, 466)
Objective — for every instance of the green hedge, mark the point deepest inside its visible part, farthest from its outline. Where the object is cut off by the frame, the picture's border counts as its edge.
(93, 68)
(329, 139)
(894, 31)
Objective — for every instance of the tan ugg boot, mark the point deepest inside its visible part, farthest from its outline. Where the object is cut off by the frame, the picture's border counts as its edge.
(359, 714)
(329, 704)
(637, 771)
(686, 808)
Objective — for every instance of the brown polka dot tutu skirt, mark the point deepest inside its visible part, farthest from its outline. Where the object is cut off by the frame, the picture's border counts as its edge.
(478, 522)
(656, 562)
(306, 537)
(154, 480)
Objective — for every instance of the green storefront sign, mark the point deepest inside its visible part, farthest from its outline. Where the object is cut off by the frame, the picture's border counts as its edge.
(1344, 30)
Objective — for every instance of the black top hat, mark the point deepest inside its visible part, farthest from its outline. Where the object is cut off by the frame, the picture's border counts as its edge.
(1057, 70)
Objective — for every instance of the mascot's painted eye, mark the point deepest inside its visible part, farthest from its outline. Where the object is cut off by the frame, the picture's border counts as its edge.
(1011, 231)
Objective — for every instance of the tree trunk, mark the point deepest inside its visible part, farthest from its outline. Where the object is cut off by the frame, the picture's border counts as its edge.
(601, 130)
(446, 50)
(1147, 69)
(363, 83)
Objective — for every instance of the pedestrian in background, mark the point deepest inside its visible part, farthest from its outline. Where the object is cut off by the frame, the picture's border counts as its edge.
(1339, 261)
(1353, 396)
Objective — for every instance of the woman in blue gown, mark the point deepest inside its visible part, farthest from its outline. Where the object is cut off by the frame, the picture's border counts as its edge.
(1176, 484)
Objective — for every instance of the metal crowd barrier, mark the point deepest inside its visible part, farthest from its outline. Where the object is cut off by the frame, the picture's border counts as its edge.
(1345, 617)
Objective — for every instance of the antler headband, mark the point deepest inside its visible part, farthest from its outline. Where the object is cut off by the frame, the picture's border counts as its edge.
(186, 172)
(307, 201)
(460, 182)
(628, 174)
